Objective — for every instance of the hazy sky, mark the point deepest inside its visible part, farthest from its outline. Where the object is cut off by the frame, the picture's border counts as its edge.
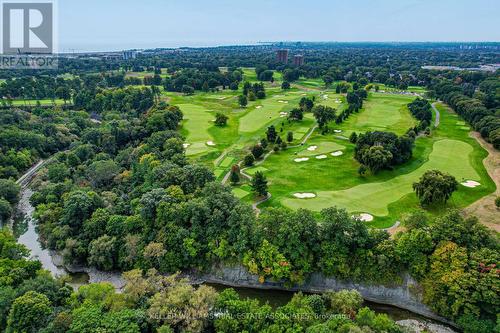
(118, 24)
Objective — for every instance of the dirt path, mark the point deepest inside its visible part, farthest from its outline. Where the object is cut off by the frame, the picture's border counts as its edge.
(485, 208)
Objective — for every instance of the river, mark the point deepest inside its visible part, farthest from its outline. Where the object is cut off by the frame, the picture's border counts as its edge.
(24, 228)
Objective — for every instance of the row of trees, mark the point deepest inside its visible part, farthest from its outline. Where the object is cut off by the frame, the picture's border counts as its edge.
(9, 196)
(477, 100)
(354, 100)
(202, 80)
(33, 301)
(421, 109)
(124, 100)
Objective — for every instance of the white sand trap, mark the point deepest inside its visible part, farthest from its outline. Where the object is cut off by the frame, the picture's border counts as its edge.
(321, 157)
(303, 94)
(337, 153)
(364, 217)
(325, 96)
(337, 131)
(222, 98)
(283, 114)
(280, 101)
(304, 195)
(312, 148)
(186, 145)
(258, 107)
(210, 143)
(471, 184)
(301, 159)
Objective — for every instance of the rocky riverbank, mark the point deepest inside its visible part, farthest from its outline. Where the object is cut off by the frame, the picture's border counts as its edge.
(406, 295)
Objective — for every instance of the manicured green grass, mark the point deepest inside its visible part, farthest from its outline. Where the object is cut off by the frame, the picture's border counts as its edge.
(374, 198)
(310, 83)
(262, 112)
(226, 162)
(382, 112)
(415, 89)
(387, 195)
(336, 101)
(254, 170)
(322, 148)
(197, 120)
(218, 173)
(240, 193)
(33, 102)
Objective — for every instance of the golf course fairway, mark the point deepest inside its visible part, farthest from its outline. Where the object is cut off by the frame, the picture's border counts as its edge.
(197, 119)
(448, 155)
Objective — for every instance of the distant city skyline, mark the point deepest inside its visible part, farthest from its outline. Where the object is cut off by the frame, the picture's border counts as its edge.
(114, 25)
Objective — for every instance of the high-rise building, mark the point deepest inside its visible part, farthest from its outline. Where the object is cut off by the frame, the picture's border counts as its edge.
(130, 54)
(298, 60)
(282, 56)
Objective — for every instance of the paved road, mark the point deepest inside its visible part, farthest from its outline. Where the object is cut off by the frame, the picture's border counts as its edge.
(438, 115)
(254, 206)
(28, 175)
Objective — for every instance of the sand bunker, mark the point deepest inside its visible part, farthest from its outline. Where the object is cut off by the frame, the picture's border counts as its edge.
(304, 195)
(185, 145)
(337, 153)
(280, 101)
(364, 217)
(321, 157)
(337, 131)
(301, 159)
(283, 114)
(471, 183)
(312, 148)
(258, 107)
(325, 96)
(210, 143)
